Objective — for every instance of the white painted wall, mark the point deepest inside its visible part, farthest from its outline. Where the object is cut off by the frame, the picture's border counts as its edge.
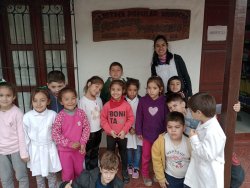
(94, 58)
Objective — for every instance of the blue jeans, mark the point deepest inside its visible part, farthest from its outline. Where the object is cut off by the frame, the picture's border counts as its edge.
(174, 182)
(134, 157)
(7, 164)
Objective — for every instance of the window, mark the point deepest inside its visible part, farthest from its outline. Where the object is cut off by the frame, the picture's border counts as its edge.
(37, 38)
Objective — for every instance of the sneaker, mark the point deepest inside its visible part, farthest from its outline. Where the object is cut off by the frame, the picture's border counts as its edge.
(147, 182)
(135, 174)
(125, 177)
(130, 169)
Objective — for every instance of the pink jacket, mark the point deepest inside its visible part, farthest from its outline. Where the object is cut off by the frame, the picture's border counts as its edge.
(68, 129)
(117, 119)
(12, 134)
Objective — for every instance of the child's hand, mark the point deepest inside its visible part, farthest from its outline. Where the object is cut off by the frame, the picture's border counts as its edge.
(82, 149)
(237, 106)
(75, 145)
(164, 184)
(25, 159)
(140, 137)
(68, 185)
(113, 134)
(121, 135)
(182, 94)
(132, 131)
(192, 132)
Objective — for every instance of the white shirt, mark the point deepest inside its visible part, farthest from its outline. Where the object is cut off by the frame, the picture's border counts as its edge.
(206, 168)
(92, 108)
(42, 150)
(166, 71)
(133, 140)
(177, 157)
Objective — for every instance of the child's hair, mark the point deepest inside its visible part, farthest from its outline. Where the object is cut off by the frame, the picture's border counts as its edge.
(93, 80)
(66, 90)
(132, 81)
(176, 116)
(115, 64)
(55, 76)
(10, 86)
(109, 161)
(118, 82)
(158, 81)
(173, 97)
(204, 103)
(175, 78)
(43, 90)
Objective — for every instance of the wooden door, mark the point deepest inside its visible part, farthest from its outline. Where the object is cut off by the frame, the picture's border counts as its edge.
(221, 64)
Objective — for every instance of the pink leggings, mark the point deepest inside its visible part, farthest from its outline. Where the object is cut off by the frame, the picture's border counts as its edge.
(146, 158)
(72, 164)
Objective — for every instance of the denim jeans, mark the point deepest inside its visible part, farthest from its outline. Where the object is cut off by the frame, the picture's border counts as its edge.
(134, 157)
(7, 164)
(174, 182)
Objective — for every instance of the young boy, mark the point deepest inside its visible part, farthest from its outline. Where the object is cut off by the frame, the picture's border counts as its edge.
(115, 72)
(206, 167)
(175, 102)
(55, 82)
(171, 153)
(105, 176)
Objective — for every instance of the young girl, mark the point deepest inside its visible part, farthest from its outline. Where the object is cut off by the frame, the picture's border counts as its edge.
(134, 144)
(116, 120)
(44, 160)
(91, 103)
(175, 85)
(150, 121)
(13, 153)
(70, 131)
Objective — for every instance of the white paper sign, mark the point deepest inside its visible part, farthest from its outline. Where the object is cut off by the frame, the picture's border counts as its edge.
(217, 33)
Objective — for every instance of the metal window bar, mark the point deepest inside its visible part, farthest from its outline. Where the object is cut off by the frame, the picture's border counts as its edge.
(19, 52)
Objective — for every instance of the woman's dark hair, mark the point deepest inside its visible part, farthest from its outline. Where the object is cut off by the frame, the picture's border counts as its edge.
(155, 58)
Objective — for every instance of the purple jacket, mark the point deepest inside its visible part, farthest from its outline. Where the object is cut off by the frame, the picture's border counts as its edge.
(150, 117)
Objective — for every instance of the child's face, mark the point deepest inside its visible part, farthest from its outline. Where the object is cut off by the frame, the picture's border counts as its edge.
(94, 89)
(40, 102)
(153, 90)
(116, 91)
(115, 72)
(132, 91)
(69, 100)
(161, 47)
(175, 130)
(6, 98)
(107, 175)
(176, 106)
(55, 87)
(175, 86)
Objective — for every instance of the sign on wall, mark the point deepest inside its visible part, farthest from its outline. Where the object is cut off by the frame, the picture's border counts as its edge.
(140, 23)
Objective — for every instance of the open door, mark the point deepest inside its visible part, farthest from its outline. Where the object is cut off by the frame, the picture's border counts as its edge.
(221, 64)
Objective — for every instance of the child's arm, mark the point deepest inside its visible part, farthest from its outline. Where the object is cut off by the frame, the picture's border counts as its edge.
(130, 120)
(85, 132)
(104, 120)
(21, 136)
(57, 135)
(139, 120)
(157, 160)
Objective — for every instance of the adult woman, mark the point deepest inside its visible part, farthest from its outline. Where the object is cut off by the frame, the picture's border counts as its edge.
(165, 64)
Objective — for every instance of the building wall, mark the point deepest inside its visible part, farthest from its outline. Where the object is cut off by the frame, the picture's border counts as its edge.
(94, 58)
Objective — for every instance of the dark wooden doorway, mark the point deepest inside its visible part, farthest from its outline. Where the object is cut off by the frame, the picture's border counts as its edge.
(221, 64)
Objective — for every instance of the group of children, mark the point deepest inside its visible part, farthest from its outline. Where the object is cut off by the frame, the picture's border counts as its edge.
(63, 134)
